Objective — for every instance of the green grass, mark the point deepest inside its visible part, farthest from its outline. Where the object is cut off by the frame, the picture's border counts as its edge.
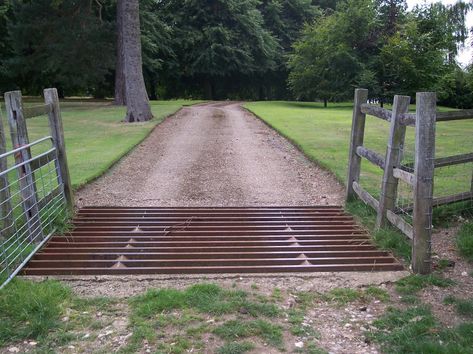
(35, 311)
(412, 284)
(206, 298)
(464, 307)
(96, 137)
(343, 296)
(296, 318)
(415, 330)
(237, 329)
(155, 311)
(235, 348)
(464, 240)
(30, 310)
(323, 134)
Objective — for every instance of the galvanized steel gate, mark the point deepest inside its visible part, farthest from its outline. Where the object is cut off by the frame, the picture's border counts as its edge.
(35, 191)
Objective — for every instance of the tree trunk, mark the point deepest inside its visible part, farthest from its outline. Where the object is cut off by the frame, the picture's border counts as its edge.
(137, 102)
(325, 102)
(120, 99)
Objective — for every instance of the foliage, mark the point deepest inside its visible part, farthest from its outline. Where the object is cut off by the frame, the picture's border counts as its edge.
(218, 40)
(392, 51)
(66, 44)
(241, 49)
(324, 64)
(190, 48)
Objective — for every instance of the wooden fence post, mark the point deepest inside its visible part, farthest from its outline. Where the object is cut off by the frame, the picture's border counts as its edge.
(357, 136)
(393, 158)
(57, 132)
(19, 137)
(426, 115)
(6, 212)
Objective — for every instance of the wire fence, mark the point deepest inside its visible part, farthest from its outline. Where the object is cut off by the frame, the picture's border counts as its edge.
(453, 184)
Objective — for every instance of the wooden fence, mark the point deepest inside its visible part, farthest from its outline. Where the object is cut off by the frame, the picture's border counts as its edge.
(420, 175)
(35, 187)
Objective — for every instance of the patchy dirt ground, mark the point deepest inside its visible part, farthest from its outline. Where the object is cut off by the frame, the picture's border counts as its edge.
(458, 270)
(214, 154)
(126, 286)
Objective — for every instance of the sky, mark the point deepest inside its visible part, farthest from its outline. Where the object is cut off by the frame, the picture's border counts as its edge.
(465, 55)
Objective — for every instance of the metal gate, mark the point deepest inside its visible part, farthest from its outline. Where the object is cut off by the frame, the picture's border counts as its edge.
(35, 188)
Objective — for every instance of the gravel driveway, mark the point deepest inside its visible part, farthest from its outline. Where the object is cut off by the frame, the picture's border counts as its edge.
(215, 154)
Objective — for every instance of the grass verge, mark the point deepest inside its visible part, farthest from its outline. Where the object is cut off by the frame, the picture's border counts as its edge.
(157, 313)
(46, 313)
(96, 138)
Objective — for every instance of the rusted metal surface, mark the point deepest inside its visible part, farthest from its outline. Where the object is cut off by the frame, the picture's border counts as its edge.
(108, 241)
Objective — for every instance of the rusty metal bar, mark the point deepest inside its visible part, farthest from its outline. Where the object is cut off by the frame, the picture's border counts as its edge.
(210, 240)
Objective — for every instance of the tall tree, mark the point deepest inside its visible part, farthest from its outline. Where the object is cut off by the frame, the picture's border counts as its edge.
(120, 92)
(136, 97)
(326, 60)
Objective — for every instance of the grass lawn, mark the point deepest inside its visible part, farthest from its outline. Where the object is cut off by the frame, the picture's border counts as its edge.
(95, 136)
(323, 134)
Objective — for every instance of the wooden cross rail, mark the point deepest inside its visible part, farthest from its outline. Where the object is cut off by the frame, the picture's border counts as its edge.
(449, 160)
(36, 111)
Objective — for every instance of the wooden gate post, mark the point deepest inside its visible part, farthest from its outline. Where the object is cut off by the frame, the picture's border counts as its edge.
(6, 212)
(57, 132)
(19, 137)
(394, 151)
(426, 115)
(357, 136)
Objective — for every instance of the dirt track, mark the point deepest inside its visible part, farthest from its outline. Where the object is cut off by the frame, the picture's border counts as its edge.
(215, 154)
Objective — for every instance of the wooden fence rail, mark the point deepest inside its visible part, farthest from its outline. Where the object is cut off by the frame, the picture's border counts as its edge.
(419, 175)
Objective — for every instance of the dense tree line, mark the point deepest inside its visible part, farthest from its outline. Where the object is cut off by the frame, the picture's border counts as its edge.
(248, 49)
(200, 48)
(381, 46)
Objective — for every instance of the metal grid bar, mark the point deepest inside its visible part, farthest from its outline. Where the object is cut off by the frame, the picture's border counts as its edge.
(210, 240)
